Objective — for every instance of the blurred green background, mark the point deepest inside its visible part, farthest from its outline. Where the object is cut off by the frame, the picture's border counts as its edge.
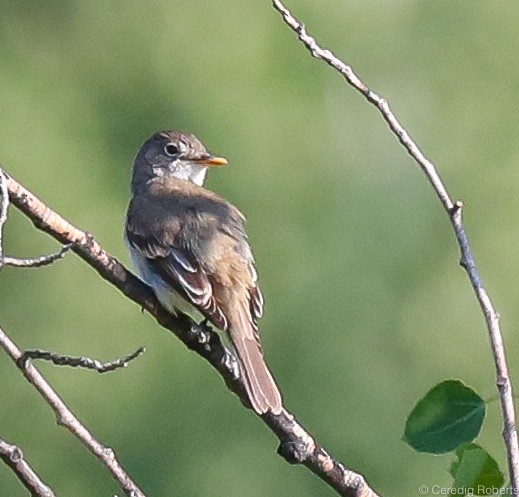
(366, 307)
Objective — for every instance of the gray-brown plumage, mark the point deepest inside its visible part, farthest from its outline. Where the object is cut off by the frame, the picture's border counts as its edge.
(191, 247)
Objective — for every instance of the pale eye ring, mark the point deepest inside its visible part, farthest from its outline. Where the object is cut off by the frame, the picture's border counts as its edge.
(171, 149)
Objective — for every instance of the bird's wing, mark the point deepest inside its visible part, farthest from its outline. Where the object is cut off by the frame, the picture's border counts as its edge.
(186, 243)
(237, 232)
(179, 269)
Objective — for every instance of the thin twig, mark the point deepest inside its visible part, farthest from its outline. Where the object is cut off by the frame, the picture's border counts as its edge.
(13, 457)
(4, 207)
(297, 446)
(35, 262)
(80, 362)
(454, 211)
(66, 417)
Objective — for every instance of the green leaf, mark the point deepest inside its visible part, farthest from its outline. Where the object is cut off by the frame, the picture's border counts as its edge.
(449, 415)
(475, 471)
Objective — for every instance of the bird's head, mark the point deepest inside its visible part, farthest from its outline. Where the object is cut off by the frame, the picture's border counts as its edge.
(175, 154)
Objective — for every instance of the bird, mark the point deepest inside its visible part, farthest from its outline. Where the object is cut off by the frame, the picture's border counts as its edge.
(190, 246)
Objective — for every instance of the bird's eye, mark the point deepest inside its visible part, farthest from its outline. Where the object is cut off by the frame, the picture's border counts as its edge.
(171, 149)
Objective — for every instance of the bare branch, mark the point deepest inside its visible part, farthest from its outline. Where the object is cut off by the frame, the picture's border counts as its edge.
(66, 417)
(43, 260)
(79, 362)
(13, 457)
(454, 211)
(297, 445)
(4, 207)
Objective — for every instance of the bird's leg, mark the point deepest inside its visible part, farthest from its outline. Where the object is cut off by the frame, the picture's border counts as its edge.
(201, 331)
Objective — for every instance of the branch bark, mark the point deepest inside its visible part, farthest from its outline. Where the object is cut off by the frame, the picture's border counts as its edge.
(13, 457)
(454, 212)
(66, 418)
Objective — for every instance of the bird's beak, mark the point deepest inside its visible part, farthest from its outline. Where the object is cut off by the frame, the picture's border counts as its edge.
(212, 161)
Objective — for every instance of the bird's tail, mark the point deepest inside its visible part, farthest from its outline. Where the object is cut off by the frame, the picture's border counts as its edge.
(263, 392)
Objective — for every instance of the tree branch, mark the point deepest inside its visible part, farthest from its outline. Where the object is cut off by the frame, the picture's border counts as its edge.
(66, 418)
(297, 446)
(13, 457)
(80, 362)
(454, 211)
(34, 262)
(4, 207)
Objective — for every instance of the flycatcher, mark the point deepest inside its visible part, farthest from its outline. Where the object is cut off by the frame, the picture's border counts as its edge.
(190, 246)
